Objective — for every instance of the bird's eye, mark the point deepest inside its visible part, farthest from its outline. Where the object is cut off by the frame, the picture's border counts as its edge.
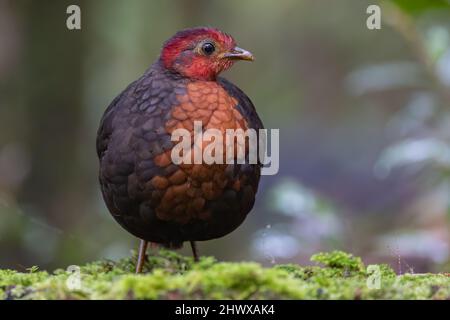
(208, 48)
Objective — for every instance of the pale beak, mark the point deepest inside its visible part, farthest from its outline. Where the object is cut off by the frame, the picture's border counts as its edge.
(239, 54)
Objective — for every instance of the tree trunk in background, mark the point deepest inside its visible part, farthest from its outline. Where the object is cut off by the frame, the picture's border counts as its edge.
(52, 72)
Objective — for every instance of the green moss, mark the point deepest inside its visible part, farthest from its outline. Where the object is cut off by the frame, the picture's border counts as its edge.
(339, 260)
(168, 275)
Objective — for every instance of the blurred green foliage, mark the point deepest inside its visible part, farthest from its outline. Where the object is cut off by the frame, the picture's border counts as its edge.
(416, 7)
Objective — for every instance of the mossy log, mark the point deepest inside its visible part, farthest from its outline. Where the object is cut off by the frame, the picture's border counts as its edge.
(168, 275)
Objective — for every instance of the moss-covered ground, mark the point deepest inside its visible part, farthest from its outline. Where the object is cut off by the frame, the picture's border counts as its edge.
(338, 275)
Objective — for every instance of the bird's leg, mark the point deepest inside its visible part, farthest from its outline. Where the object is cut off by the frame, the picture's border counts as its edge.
(194, 250)
(142, 256)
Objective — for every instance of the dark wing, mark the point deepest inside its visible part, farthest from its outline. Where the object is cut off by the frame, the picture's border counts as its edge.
(131, 134)
(105, 129)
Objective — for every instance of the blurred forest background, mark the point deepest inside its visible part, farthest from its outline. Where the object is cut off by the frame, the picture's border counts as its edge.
(364, 118)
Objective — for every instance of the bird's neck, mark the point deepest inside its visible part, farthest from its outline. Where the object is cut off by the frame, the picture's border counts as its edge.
(200, 70)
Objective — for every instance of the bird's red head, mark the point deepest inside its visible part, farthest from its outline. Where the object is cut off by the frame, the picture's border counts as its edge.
(201, 53)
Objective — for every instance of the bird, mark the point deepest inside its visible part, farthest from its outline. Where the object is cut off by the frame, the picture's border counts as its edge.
(154, 199)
